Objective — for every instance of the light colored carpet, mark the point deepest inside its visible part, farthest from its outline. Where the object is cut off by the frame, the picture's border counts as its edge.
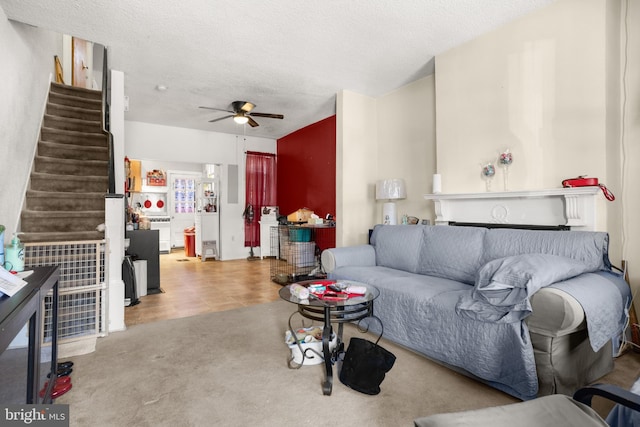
(229, 369)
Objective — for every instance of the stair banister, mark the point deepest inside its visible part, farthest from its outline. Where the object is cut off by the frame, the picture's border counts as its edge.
(106, 92)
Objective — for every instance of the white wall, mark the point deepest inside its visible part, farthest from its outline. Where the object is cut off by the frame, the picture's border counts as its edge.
(613, 129)
(173, 144)
(535, 86)
(356, 167)
(392, 136)
(629, 194)
(407, 144)
(549, 86)
(27, 66)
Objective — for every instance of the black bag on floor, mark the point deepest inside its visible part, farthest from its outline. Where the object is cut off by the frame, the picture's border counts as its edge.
(365, 365)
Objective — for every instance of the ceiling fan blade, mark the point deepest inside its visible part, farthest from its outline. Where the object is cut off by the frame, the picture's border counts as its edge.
(271, 116)
(218, 119)
(216, 109)
(242, 106)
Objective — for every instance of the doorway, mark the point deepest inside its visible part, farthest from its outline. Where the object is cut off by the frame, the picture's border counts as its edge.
(182, 204)
(82, 54)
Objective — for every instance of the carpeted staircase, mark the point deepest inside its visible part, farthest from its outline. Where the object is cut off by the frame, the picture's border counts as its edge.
(69, 180)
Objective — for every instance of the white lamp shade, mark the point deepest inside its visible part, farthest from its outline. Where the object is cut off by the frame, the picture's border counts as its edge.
(391, 189)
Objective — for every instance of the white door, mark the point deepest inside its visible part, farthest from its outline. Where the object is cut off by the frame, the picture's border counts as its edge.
(182, 204)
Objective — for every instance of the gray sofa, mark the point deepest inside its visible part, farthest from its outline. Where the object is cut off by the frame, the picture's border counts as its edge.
(529, 312)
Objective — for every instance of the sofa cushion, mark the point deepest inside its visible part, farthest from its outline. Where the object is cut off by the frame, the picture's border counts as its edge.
(591, 248)
(452, 252)
(398, 246)
(415, 286)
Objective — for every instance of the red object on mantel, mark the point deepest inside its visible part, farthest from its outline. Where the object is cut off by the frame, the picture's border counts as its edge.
(160, 204)
(147, 204)
(583, 181)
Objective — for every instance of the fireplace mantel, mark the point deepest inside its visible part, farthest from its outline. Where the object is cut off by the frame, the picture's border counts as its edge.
(572, 207)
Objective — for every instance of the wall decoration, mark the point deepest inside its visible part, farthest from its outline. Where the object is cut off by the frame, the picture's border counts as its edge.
(505, 159)
(488, 172)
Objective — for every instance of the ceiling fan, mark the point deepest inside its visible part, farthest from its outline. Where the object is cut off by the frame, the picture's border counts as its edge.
(242, 113)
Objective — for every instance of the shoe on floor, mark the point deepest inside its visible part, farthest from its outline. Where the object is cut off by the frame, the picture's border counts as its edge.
(65, 365)
(59, 389)
(61, 372)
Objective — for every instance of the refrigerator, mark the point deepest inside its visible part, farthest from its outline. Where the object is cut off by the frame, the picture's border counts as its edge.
(207, 219)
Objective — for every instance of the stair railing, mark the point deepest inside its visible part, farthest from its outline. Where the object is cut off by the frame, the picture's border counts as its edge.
(59, 73)
(106, 125)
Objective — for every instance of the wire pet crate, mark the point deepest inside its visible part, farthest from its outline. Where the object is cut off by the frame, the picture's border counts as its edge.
(296, 255)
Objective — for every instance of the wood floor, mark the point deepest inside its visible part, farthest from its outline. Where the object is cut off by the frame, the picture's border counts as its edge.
(193, 287)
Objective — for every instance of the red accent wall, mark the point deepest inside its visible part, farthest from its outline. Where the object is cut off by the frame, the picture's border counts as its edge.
(306, 173)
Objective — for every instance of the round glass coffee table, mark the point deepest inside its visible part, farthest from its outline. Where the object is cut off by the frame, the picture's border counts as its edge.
(340, 311)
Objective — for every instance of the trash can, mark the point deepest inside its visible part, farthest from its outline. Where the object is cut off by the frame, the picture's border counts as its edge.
(140, 268)
(190, 241)
(129, 279)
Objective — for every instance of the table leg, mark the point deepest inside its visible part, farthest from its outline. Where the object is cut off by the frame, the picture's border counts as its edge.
(326, 340)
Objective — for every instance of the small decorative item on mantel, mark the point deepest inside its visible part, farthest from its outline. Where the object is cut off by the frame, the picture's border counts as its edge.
(488, 172)
(505, 159)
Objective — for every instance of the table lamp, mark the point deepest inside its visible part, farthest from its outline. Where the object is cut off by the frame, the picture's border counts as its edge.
(390, 189)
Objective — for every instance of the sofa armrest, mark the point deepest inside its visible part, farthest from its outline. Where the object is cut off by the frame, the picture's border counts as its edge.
(361, 255)
(555, 313)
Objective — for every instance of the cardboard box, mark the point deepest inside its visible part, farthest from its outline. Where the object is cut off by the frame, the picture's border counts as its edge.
(301, 215)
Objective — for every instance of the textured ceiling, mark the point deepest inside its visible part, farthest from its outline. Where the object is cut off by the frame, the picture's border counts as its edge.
(288, 57)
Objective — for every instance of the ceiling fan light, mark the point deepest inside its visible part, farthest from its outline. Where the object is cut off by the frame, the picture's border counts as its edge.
(240, 119)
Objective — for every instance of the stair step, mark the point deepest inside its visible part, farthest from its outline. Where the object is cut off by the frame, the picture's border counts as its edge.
(74, 101)
(72, 137)
(75, 91)
(68, 184)
(62, 110)
(74, 152)
(69, 236)
(66, 196)
(58, 201)
(60, 221)
(71, 166)
(66, 123)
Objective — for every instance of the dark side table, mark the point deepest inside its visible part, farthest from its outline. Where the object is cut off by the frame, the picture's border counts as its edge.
(26, 307)
(331, 311)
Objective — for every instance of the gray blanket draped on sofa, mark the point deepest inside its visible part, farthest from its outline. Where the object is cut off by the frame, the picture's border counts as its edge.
(419, 312)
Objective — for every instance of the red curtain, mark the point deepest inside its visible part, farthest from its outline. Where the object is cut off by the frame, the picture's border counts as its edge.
(260, 191)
